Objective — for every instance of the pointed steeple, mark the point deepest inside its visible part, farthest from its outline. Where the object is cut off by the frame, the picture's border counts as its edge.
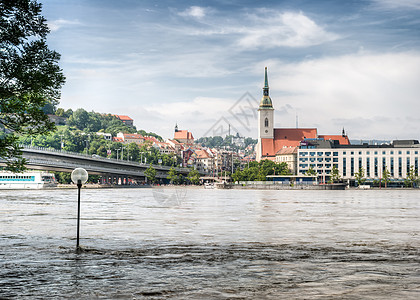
(266, 79)
(265, 102)
(176, 127)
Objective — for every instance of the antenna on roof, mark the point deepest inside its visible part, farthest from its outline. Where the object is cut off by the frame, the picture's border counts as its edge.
(297, 121)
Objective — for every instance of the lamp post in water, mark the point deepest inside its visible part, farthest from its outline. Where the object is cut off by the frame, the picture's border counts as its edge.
(79, 176)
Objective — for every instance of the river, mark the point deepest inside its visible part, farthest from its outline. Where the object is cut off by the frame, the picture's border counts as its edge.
(167, 243)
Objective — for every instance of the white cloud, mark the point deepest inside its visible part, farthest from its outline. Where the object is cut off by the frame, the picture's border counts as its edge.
(372, 95)
(287, 29)
(57, 24)
(194, 11)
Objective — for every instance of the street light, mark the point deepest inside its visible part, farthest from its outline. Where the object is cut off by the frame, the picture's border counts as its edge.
(79, 176)
(117, 152)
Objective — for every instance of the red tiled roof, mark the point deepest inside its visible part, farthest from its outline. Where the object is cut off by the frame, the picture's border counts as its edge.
(151, 138)
(123, 117)
(286, 137)
(117, 139)
(343, 140)
(183, 134)
(133, 136)
(202, 154)
(287, 150)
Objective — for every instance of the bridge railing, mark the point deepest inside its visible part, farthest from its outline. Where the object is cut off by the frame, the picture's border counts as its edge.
(100, 158)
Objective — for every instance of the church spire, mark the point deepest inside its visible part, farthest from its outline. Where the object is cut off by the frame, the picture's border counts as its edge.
(265, 102)
(266, 79)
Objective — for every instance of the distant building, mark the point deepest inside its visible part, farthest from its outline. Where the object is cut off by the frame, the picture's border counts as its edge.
(183, 136)
(397, 158)
(125, 119)
(288, 155)
(271, 140)
(128, 138)
(107, 136)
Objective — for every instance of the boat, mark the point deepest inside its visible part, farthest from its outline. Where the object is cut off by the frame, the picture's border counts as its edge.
(209, 185)
(26, 180)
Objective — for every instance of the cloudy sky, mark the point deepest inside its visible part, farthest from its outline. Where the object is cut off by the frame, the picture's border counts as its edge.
(331, 64)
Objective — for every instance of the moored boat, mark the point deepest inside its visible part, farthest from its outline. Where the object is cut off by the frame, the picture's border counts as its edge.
(26, 180)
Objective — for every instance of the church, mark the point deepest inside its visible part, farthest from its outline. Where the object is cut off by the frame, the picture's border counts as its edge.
(273, 143)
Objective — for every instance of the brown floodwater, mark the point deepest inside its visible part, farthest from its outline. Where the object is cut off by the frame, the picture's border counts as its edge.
(169, 243)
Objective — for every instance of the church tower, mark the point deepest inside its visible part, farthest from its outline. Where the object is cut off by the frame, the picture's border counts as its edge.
(266, 114)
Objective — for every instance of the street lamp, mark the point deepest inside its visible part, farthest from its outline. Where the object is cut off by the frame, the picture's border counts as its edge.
(79, 176)
(117, 152)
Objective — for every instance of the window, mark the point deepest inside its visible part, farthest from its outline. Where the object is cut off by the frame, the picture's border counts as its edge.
(399, 152)
(335, 159)
(328, 159)
(383, 152)
(352, 153)
(327, 153)
(303, 153)
(376, 152)
(408, 166)
(368, 152)
(367, 166)
(400, 166)
(344, 152)
(360, 152)
(392, 166)
(392, 152)
(376, 167)
(320, 153)
(335, 153)
(320, 159)
(328, 165)
(320, 165)
(344, 167)
(352, 166)
(408, 152)
(312, 153)
(266, 122)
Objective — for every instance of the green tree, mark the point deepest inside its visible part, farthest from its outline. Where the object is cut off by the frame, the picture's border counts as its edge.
(194, 176)
(172, 175)
(360, 176)
(150, 174)
(386, 176)
(29, 74)
(335, 175)
(310, 172)
(412, 177)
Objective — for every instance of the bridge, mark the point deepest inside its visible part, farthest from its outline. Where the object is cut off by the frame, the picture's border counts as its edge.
(111, 170)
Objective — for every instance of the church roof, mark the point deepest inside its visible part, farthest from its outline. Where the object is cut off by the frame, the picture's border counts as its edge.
(183, 134)
(286, 137)
(343, 140)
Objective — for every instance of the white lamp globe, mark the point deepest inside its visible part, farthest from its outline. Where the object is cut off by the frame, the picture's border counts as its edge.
(79, 174)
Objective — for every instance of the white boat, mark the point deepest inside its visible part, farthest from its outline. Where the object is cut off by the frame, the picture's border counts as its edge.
(209, 185)
(26, 180)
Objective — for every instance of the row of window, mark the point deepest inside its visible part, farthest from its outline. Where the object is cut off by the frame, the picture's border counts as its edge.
(391, 170)
(17, 178)
(408, 152)
(319, 159)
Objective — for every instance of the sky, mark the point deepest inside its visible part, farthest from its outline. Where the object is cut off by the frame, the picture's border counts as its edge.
(351, 64)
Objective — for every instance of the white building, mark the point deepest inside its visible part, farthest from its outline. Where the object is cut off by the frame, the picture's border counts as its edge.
(397, 158)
